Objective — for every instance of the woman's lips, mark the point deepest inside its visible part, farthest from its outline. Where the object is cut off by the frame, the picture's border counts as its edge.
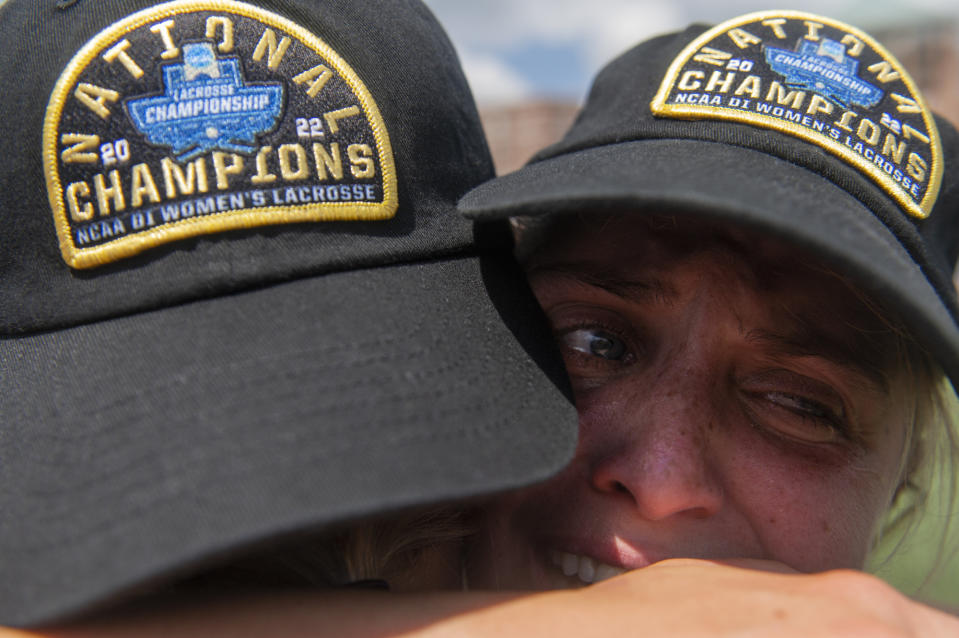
(594, 558)
(588, 570)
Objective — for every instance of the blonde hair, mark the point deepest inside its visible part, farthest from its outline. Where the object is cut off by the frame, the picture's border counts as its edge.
(929, 465)
(378, 553)
(924, 506)
(389, 548)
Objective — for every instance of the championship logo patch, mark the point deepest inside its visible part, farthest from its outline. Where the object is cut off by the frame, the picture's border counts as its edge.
(819, 80)
(201, 116)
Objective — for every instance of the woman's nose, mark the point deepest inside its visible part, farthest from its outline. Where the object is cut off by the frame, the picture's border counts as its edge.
(654, 451)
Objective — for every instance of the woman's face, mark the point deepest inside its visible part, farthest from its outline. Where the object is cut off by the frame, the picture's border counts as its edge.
(732, 404)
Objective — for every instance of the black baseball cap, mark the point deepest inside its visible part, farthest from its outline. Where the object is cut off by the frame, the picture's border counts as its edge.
(792, 124)
(236, 300)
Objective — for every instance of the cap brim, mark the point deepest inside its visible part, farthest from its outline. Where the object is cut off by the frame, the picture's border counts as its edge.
(149, 443)
(741, 186)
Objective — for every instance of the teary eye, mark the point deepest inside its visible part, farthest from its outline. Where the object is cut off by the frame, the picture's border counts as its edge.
(801, 405)
(595, 342)
(795, 407)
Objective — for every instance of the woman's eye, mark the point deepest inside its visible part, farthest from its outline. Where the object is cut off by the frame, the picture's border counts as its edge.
(795, 407)
(800, 418)
(800, 405)
(595, 342)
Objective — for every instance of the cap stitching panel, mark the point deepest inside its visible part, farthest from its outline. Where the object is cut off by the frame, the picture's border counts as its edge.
(484, 431)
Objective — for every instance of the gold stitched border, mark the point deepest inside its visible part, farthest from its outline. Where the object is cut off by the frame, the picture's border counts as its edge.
(128, 246)
(661, 108)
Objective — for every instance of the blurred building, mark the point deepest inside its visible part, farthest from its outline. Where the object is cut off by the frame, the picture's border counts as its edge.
(516, 131)
(929, 51)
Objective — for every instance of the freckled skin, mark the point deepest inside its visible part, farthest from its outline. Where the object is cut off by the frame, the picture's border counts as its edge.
(699, 438)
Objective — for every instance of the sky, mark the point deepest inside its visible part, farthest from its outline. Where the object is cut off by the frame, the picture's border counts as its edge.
(513, 50)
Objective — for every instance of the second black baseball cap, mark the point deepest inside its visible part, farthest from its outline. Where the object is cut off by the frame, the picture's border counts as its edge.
(794, 124)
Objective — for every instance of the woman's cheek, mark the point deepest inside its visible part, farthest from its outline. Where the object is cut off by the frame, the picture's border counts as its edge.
(604, 407)
(812, 509)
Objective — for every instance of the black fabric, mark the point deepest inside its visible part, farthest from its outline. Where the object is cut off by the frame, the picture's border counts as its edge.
(171, 409)
(127, 463)
(401, 55)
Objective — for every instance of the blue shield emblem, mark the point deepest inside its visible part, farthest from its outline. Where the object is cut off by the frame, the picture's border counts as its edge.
(824, 68)
(206, 105)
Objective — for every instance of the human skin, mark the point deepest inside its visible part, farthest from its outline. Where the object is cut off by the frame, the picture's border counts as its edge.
(678, 597)
(735, 403)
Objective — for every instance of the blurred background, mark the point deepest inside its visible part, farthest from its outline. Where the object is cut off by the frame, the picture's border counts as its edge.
(530, 63)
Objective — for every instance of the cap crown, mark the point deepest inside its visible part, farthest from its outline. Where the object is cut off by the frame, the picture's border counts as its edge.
(113, 203)
(627, 101)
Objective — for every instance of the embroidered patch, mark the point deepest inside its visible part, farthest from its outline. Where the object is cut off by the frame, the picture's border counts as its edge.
(201, 116)
(819, 80)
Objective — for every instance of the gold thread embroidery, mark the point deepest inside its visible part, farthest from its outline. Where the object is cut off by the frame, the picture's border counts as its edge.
(130, 245)
(886, 70)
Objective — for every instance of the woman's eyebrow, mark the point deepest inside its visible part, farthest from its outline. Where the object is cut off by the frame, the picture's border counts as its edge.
(610, 279)
(820, 344)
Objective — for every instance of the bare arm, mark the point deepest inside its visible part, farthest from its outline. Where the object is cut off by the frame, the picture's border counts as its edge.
(678, 597)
